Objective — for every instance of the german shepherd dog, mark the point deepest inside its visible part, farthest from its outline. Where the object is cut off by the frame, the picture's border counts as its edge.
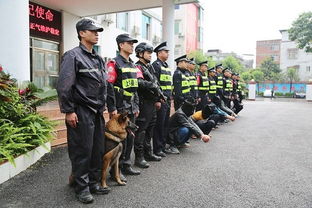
(116, 131)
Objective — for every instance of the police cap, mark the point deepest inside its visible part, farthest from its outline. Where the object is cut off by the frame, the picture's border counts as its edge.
(88, 24)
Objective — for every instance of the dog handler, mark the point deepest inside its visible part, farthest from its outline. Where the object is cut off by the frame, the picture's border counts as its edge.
(82, 89)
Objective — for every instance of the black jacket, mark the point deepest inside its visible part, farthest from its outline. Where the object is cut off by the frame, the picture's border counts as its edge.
(178, 96)
(179, 119)
(82, 81)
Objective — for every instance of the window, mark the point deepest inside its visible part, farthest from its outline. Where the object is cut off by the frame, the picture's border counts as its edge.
(177, 27)
(122, 21)
(308, 68)
(146, 27)
(292, 53)
(274, 47)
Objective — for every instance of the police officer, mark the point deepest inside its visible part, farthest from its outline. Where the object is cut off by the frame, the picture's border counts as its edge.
(212, 90)
(193, 79)
(163, 74)
(237, 107)
(122, 73)
(227, 86)
(181, 85)
(203, 85)
(149, 100)
(219, 80)
(82, 89)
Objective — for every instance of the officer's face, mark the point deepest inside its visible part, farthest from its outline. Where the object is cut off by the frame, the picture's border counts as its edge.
(192, 67)
(147, 55)
(127, 47)
(219, 70)
(163, 55)
(183, 64)
(227, 74)
(203, 68)
(90, 36)
(212, 74)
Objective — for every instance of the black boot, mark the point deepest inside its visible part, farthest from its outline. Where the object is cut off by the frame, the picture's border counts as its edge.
(151, 157)
(85, 197)
(160, 154)
(128, 170)
(141, 162)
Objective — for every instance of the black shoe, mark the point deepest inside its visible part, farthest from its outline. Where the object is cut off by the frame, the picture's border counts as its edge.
(172, 150)
(152, 157)
(97, 189)
(128, 170)
(141, 162)
(160, 154)
(85, 197)
(122, 177)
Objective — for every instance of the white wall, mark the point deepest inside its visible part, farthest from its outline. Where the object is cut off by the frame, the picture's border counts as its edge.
(303, 59)
(70, 38)
(14, 30)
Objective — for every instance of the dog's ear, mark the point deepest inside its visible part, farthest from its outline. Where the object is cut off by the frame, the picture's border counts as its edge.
(122, 117)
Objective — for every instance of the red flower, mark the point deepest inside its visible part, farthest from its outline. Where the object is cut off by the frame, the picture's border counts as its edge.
(21, 92)
(1, 68)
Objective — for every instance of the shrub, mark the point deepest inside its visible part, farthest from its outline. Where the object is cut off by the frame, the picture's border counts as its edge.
(21, 128)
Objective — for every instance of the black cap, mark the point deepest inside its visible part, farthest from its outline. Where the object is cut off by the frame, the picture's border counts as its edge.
(181, 58)
(191, 61)
(88, 24)
(125, 38)
(212, 69)
(226, 69)
(161, 47)
(219, 66)
(203, 63)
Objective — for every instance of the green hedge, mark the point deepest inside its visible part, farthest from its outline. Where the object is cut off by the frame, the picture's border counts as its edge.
(21, 128)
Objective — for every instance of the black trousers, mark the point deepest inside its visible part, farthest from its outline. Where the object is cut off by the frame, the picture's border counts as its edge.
(161, 127)
(216, 118)
(125, 158)
(86, 147)
(237, 106)
(146, 123)
(205, 125)
(203, 102)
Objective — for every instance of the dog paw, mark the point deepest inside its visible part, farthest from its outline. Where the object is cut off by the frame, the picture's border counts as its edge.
(122, 183)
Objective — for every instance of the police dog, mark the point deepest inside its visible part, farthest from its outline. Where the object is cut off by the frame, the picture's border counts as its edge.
(116, 131)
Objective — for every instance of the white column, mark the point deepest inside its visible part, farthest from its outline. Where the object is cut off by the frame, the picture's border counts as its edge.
(309, 91)
(14, 30)
(252, 90)
(168, 28)
(70, 37)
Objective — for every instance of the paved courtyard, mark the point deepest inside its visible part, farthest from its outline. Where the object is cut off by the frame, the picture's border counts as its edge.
(264, 159)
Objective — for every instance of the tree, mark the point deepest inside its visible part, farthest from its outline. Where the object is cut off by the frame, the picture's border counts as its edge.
(233, 63)
(199, 56)
(246, 76)
(258, 76)
(301, 31)
(269, 68)
(292, 75)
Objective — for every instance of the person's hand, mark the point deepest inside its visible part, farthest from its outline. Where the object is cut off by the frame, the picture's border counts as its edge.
(232, 118)
(205, 138)
(111, 114)
(136, 114)
(157, 105)
(71, 119)
(199, 99)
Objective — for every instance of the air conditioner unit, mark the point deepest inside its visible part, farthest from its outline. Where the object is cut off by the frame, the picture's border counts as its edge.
(107, 19)
(156, 40)
(181, 35)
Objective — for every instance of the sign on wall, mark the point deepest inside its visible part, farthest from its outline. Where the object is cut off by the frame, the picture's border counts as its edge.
(45, 22)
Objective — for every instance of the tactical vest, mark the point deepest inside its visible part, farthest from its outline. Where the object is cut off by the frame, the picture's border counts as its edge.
(204, 84)
(240, 86)
(193, 82)
(228, 86)
(165, 79)
(129, 81)
(212, 87)
(185, 84)
(219, 81)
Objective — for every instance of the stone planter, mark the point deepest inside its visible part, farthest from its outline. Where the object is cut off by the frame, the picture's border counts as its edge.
(8, 170)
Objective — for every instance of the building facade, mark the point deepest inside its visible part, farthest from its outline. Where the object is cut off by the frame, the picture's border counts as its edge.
(293, 57)
(266, 49)
(188, 28)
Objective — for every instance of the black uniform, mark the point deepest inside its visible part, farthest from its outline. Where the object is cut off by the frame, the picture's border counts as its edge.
(193, 84)
(147, 118)
(203, 88)
(181, 87)
(82, 89)
(125, 88)
(163, 74)
(236, 97)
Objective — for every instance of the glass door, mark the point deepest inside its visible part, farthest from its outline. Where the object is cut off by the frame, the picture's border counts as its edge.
(45, 63)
